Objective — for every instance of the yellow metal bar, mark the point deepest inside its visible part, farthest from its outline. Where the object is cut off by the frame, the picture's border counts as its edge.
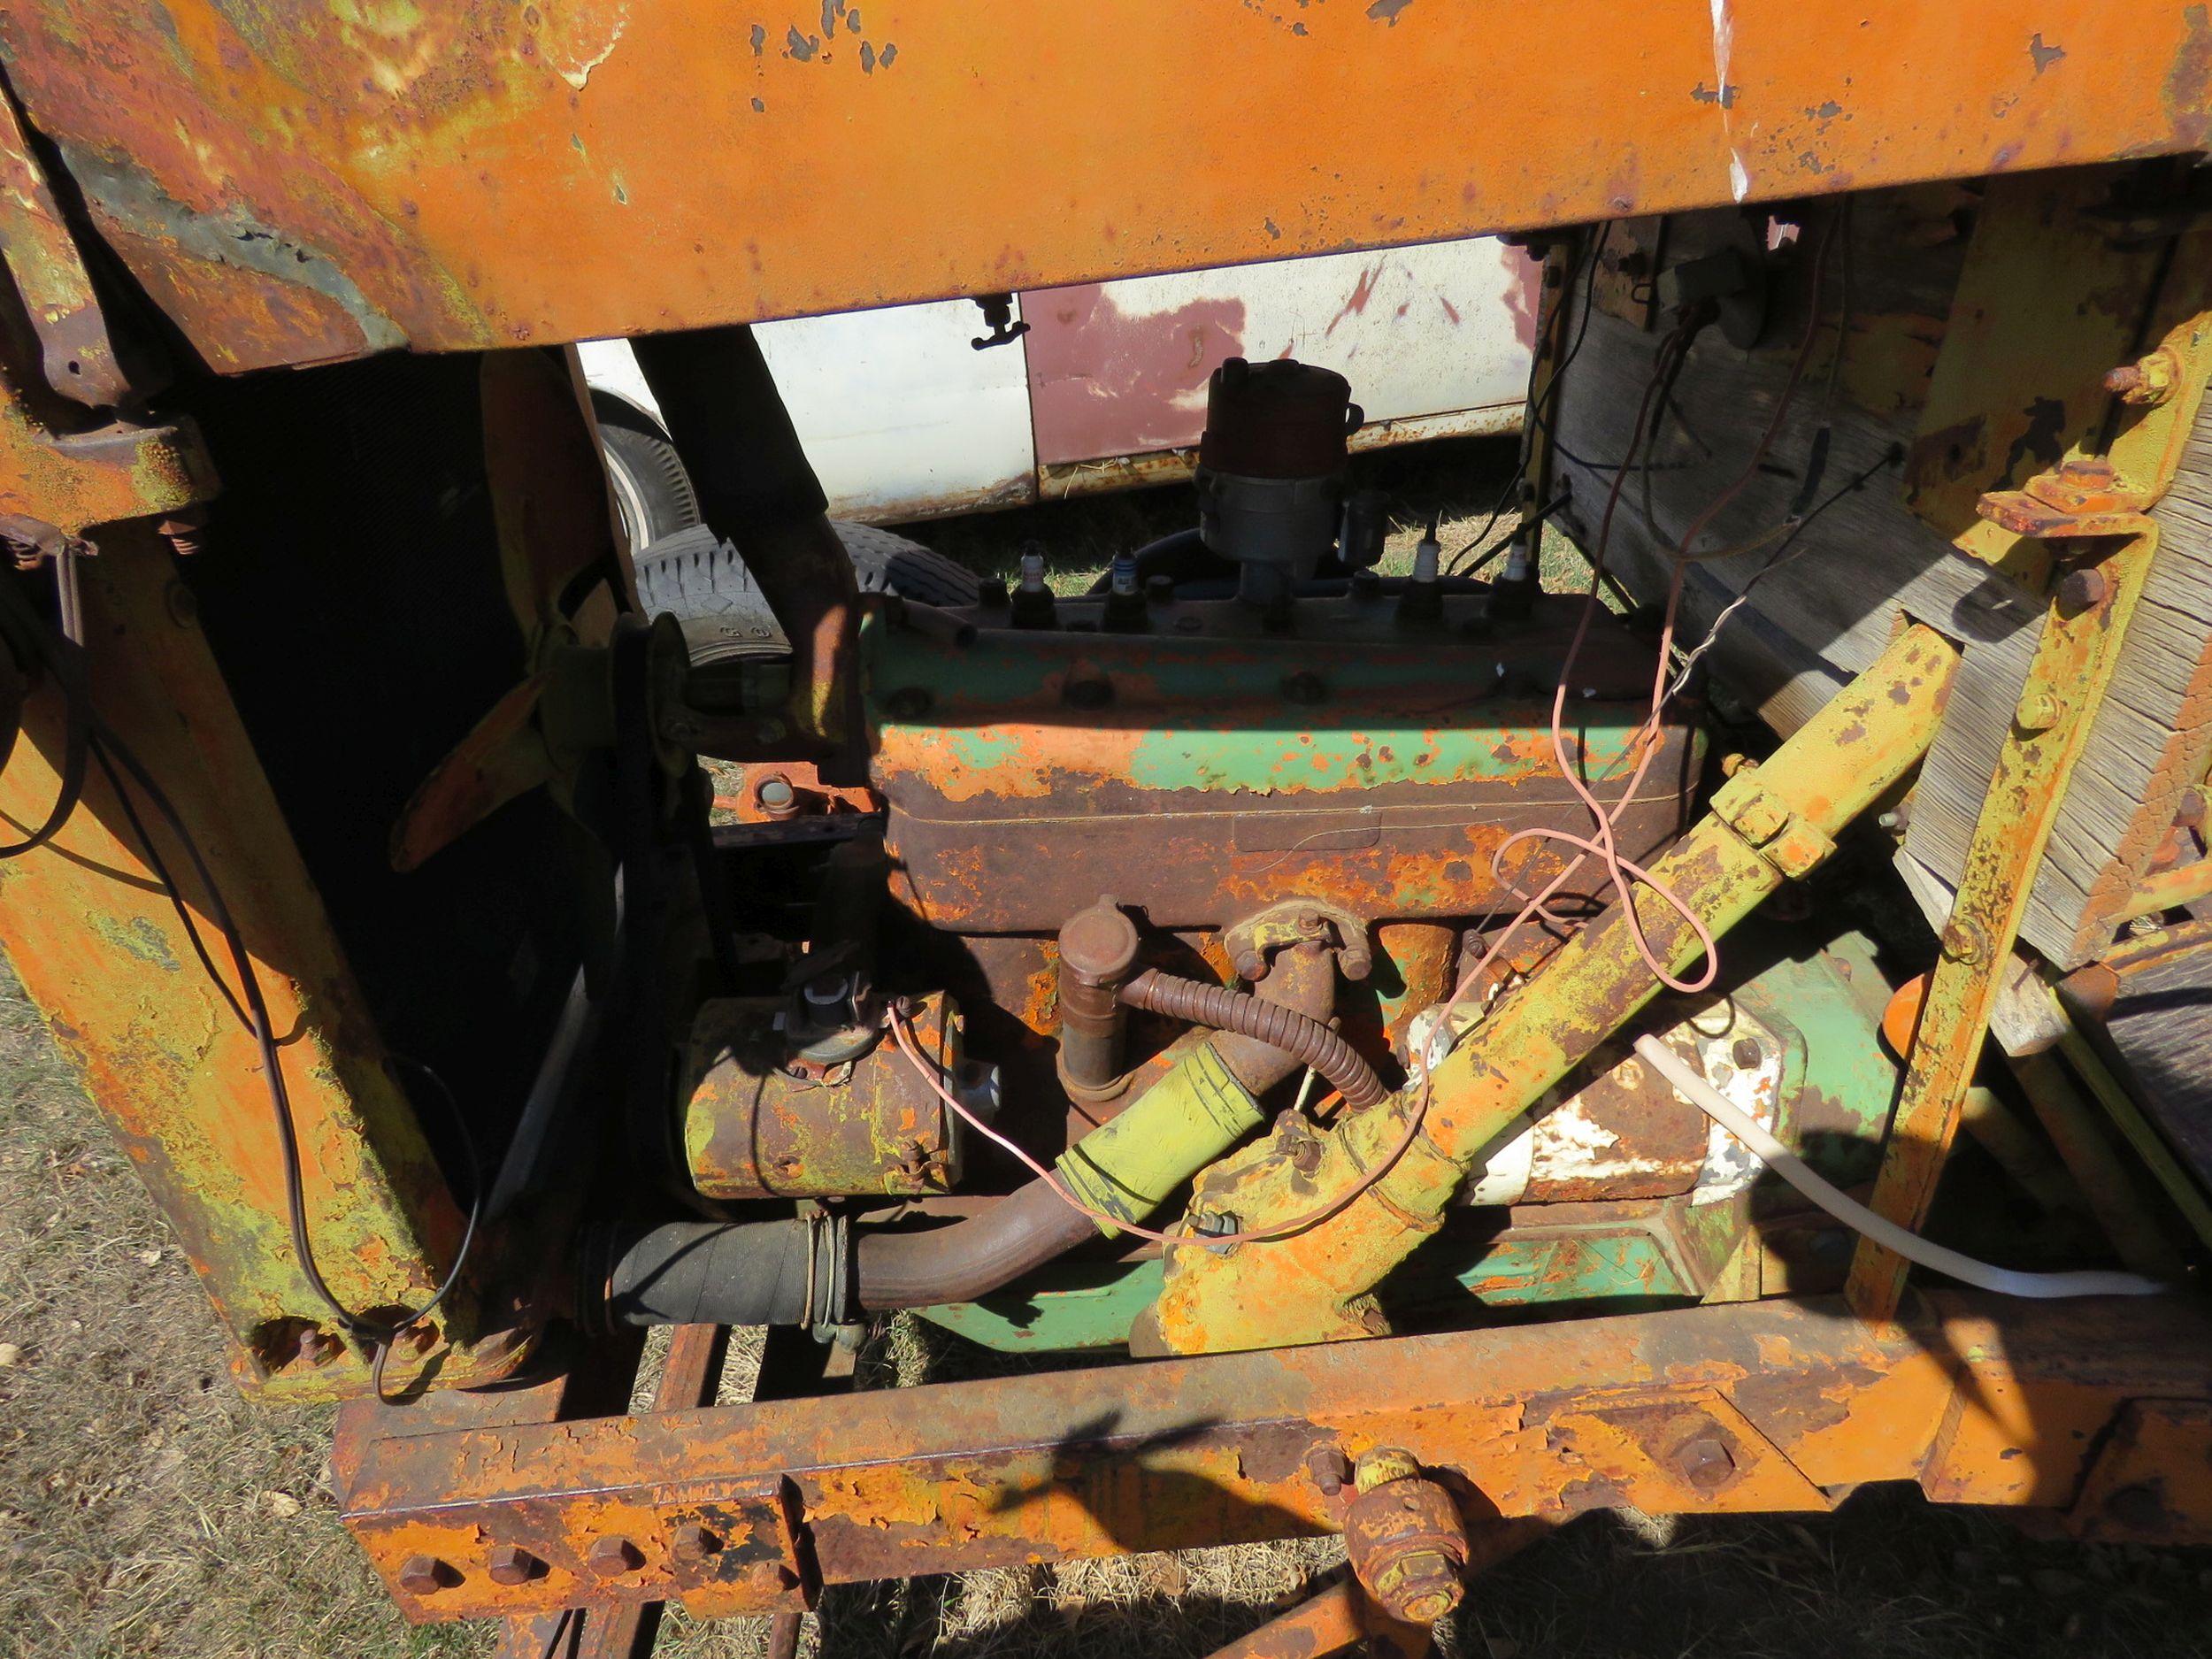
(1767, 824)
(2065, 687)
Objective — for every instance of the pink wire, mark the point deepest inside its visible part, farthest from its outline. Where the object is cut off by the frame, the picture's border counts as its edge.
(929, 1074)
(1620, 873)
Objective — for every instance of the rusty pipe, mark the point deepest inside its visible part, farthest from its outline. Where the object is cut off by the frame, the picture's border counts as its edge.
(757, 491)
(1034, 1225)
(1098, 950)
(1303, 1037)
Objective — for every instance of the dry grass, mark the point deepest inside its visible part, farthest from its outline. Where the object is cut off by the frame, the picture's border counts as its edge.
(146, 1509)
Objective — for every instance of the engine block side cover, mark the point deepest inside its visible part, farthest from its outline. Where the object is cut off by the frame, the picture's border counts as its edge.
(1199, 776)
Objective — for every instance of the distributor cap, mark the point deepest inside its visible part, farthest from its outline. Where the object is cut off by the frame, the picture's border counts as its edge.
(1276, 419)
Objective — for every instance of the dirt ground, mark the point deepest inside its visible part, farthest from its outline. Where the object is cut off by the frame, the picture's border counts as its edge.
(145, 1508)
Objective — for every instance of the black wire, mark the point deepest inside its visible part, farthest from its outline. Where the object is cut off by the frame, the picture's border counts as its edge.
(247, 1003)
(1535, 403)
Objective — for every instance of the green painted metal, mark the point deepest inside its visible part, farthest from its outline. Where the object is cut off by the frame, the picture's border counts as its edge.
(1212, 714)
(1837, 1086)
(1093, 1305)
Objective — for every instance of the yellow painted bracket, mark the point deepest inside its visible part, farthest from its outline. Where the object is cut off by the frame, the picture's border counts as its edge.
(2088, 617)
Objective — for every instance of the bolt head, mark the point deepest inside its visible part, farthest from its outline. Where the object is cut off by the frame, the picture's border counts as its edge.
(317, 1347)
(1962, 941)
(1705, 1464)
(692, 1542)
(2148, 382)
(2083, 590)
(611, 1558)
(2039, 711)
(508, 1563)
(1330, 1470)
(422, 1575)
(1251, 965)
(1747, 1052)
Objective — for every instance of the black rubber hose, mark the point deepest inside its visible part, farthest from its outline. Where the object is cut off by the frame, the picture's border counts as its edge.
(1299, 1035)
(715, 1273)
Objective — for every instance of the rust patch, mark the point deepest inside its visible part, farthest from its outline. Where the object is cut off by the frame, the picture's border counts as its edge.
(1104, 383)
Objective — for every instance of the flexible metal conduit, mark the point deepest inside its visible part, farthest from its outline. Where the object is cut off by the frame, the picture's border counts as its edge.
(1305, 1038)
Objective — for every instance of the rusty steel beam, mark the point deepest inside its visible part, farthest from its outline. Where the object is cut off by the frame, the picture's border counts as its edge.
(1755, 1406)
(321, 190)
(101, 952)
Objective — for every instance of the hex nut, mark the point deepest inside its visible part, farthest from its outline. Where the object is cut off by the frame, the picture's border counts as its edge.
(2081, 590)
(422, 1575)
(692, 1542)
(509, 1563)
(610, 1557)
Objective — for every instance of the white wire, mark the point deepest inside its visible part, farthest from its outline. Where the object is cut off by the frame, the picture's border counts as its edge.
(1856, 1216)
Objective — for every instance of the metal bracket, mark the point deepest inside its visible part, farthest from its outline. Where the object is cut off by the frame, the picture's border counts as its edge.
(2090, 609)
(1296, 922)
(1765, 823)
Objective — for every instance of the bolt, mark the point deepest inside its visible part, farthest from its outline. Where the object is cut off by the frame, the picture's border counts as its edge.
(1365, 584)
(692, 1542)
(1355, 962)
(422, 1575)
(509, 1564)
(1705, 1464)
(1305, 686)
(2039, 711)
(610, 1557)
(908, 702)
(1747, 1054)
(1330, 1470)
(317, 1347)
(2189, 813)
(1305, 1154)
(1891, 821)
(776, 796)
(1420, 1587)
(182, 529)
(1962, 941)
(1251, 965)
(2146, 382)
(2083, 590)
